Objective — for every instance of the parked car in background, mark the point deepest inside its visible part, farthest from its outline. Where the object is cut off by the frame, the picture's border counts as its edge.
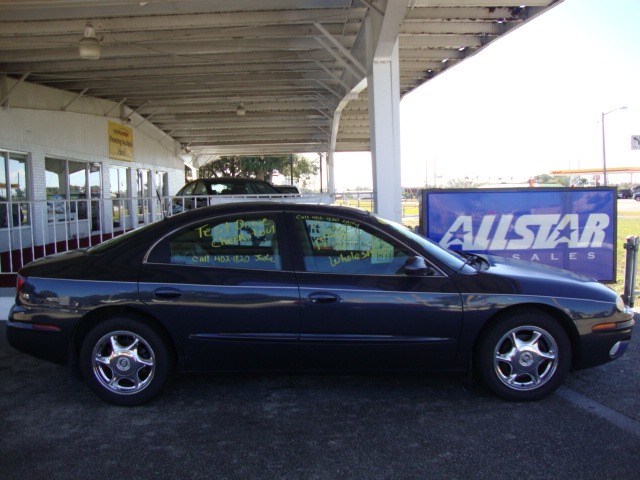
(313, 288)
(636, 196)
(287, 189)
(194, 194)
(625, 193)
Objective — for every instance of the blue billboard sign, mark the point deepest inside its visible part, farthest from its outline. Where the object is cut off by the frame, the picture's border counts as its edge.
(569, 228)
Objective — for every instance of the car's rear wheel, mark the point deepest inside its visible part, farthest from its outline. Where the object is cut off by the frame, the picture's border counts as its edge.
(125, 361)
(524, 356)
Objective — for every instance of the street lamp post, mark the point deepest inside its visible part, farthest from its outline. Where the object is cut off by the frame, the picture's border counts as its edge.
(604, 150)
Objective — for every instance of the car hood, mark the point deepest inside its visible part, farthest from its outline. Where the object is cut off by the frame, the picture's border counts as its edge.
(508, 275)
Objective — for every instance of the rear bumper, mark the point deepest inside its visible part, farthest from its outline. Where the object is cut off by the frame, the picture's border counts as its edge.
(46, 341)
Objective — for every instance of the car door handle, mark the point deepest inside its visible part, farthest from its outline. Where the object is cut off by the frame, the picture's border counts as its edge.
(323, 297)
(167, 293)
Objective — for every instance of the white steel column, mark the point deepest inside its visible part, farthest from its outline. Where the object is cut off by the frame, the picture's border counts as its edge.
(331, 180)
(332, 149)
(384, 118)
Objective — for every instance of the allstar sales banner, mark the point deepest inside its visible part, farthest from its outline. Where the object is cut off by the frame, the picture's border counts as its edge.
(569, 228)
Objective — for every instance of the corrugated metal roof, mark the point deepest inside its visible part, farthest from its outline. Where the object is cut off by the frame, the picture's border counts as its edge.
(189, 66)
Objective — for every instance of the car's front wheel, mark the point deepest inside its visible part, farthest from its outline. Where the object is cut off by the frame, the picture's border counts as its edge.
(125, 361)
(524, 356)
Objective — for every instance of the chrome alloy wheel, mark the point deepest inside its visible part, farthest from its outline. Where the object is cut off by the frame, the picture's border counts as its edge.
(123, 362)
(525, 358)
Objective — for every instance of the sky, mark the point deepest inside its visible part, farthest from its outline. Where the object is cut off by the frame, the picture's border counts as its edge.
(530, 102)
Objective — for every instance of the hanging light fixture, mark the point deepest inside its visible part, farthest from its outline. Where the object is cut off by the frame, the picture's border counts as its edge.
(241, 111)
(89, 45)
(186, 155)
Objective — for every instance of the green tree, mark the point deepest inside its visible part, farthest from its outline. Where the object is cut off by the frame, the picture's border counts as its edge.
(303, 169)
(465, 182)
(560, 180)
(262, 167)
(544, 178)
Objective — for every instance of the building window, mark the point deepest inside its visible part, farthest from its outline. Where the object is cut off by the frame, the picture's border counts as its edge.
(68, 190)
(95, 192)
(161, 184)
(144, 196)
(14, 209)
(78, 190)
(119, 179)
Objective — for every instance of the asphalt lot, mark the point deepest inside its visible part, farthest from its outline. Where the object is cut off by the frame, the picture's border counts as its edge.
(318, 427)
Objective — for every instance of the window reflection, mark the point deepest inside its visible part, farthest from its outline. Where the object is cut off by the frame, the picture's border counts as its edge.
(14, 209)
(332, 245)
(144, 195)
(119, 195)
(70, 186)
(238, 242)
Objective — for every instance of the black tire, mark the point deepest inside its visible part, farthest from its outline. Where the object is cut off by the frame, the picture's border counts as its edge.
(125, 361)
(524, 356)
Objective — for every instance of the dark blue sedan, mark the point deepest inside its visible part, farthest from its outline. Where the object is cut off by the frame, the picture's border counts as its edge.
(294, 287)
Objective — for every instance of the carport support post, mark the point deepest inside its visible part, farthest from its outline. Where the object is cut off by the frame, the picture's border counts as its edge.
(383, 85)
(331, 177)
(631, 246)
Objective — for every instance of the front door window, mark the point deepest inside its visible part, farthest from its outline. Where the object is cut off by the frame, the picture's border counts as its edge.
(332, 245)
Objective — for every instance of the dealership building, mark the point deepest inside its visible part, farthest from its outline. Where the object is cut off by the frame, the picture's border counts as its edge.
(68, 176)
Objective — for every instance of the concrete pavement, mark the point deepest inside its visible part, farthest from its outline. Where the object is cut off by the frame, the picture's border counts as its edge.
(7, 296)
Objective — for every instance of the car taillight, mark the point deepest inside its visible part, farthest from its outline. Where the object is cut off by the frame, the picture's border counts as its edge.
(21, 282)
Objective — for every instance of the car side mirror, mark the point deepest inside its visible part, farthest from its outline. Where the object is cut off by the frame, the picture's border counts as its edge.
(417, 267)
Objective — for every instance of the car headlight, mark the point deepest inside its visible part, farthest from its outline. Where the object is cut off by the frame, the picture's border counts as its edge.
(620, 304)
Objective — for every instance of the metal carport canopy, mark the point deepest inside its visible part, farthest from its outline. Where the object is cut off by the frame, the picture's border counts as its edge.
(298, 69)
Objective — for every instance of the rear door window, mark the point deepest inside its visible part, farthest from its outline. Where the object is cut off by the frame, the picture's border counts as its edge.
(233, 242)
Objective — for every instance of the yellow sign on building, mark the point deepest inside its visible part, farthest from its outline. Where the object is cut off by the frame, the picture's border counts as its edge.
(120, 142)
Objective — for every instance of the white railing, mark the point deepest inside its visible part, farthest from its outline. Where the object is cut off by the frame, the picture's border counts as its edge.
(30, 230)
(33, 229)
(360, 199)
(179, 204)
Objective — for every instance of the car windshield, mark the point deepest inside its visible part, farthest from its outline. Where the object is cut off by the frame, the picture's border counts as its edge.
(448, 257)
(223, 187)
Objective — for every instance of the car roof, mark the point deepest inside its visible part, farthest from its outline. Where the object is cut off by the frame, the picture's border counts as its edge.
(262, 206)
(229, 180)
(197, 214)
(151, 231)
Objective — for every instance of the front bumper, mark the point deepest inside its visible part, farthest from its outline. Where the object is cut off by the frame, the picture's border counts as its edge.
(605, 340)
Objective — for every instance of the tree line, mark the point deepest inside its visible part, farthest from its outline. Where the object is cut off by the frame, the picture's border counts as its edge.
(262, 167)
